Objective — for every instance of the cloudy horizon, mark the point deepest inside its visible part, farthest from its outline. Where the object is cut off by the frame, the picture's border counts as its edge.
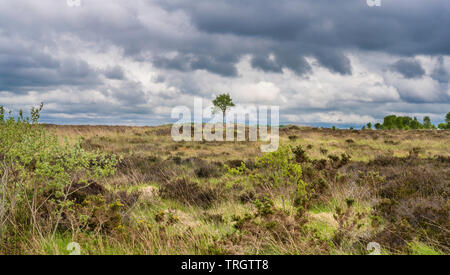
(323, 62)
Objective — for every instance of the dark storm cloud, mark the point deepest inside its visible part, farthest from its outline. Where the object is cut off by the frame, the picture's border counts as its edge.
(221, 65)
(26, 66)
(180, 63)
(295, 62)
(334, 61)
(440, 73)
(40, 42)
(323, 29)
(291, 30)
(129, 93)
(28, 73)
(115, 72)
(409, 68)
(266, 64)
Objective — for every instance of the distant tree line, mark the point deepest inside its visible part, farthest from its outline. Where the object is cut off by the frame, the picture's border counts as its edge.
(393, 122)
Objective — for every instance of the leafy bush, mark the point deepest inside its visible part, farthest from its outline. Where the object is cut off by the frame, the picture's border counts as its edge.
(38, 175)
(264, 207)
(280, 168)
(276, 171)
(348, 221)
(300, 154)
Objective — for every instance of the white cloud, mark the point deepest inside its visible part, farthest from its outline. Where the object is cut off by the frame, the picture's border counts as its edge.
(261, 92)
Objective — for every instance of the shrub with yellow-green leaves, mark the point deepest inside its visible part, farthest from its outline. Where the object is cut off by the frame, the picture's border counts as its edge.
(39, 174)
(276, 172)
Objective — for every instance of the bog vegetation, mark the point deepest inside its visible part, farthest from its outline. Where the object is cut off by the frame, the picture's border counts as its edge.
(132, 190)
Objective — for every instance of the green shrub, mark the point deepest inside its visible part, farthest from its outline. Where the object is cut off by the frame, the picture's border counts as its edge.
(264, 207)
(274, 171)
(300, 154)
(280, 167)
(38, 174)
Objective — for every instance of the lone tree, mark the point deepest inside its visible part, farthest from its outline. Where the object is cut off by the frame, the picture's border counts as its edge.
(222, 102)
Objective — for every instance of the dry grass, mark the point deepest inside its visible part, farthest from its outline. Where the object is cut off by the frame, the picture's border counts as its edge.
(157, 141)
(188, 204)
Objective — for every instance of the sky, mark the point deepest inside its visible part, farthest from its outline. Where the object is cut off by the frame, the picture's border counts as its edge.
(323, 62)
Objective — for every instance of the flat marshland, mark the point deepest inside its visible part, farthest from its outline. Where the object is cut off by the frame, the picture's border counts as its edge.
(323, 192)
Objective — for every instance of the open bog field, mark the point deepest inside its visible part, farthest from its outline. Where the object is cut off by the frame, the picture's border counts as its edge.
(389, 187)
(323, 192)
(362, 146)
